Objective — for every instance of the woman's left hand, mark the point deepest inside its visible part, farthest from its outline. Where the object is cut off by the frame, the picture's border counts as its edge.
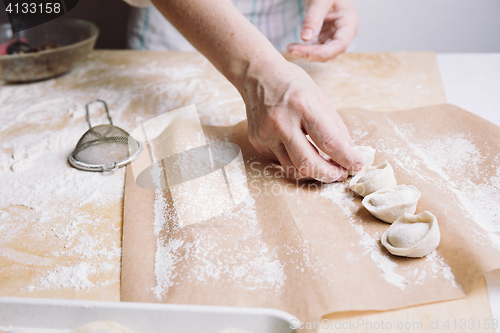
(333, 22)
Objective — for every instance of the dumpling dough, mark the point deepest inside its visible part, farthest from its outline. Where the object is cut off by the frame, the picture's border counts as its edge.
(412, 235)
(368, 155)
(103, 326)
(372, 179)
(390, 204)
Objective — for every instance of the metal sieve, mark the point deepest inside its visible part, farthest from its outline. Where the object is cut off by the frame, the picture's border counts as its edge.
(104, 147)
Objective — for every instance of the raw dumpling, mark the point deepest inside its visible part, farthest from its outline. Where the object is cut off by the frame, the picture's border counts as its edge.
(412, 235)
(104, 326)
(368, 155)
(372, 179)
(390, 204)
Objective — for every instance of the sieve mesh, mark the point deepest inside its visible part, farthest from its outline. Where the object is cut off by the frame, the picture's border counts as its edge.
(105, 144)
(104, 147)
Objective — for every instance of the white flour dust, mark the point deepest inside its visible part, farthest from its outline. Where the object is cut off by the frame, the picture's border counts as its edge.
(457, 166)
(74, 276)
(37, 138)
(42, 184)
(456, 160)
(249, 264)
(342, 196)
(438, 266)
(38, 133)
(168, 87)
(43, 200)
(166, 260)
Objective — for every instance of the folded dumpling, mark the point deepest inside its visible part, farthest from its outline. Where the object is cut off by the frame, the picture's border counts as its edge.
(412, 235)
(389, 204)
(368, 155)
(373, 178)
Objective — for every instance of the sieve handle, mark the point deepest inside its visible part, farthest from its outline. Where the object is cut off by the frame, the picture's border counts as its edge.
(105, 106)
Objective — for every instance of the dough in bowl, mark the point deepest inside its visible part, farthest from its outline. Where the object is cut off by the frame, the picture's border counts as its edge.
(368, 155)
(389, 204)
(412, 236)
(372, 179)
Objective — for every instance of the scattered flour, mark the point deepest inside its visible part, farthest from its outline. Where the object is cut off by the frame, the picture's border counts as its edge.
(69, 277)
(438, 266)
(248, 263)
(161, 212)
(456, 155)
(166, 260)
(343, 197)
(34, 169)
(38, 133)
(459, 168)
(38, 177)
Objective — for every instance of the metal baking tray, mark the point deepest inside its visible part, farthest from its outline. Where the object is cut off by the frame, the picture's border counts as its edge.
(38, 315)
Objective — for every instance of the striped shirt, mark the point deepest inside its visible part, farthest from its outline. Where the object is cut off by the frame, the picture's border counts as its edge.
(279, 20)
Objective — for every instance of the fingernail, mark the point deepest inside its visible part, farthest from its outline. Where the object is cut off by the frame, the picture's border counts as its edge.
(358, 166)
(326, 180)
(343, 176)
(307, 34)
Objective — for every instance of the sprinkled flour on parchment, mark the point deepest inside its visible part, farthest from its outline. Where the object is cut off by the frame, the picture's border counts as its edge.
(249, 267)
(459, 169)
(62, 215)
(42, 196)
(342, 196)
(445, 155)
(450, 155)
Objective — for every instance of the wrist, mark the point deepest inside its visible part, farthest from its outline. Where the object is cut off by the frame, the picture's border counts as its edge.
(260, 70)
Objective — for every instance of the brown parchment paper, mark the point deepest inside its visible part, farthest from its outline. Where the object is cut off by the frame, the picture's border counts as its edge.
(137, 85)
(311, 249)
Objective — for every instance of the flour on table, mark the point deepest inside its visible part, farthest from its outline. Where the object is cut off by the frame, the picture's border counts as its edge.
(38, 133)
(68, 277)
(40, 180)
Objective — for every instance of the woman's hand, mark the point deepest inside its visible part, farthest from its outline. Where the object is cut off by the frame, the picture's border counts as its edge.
(333, 22)
(283, 105)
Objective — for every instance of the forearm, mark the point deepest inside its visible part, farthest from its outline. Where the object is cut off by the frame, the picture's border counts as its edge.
(223, 35)
(282, 101)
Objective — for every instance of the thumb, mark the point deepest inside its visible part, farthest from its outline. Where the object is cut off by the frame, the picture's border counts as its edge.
(314, 19)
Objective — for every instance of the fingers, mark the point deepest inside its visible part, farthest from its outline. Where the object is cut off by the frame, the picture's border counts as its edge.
(336, 30)
(314, 19)
(329, 138)
(335, 117)
(332, 42)
(345, 173)
(278, 128)
(287, 164)
(317, 52)
(308, 161)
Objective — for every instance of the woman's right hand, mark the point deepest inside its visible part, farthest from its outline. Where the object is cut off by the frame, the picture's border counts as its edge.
(283, 105)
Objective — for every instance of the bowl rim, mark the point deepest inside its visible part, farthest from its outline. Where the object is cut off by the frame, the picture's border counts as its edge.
(94, 34)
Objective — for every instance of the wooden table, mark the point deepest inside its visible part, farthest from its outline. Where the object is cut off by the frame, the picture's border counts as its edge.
(67, 245)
